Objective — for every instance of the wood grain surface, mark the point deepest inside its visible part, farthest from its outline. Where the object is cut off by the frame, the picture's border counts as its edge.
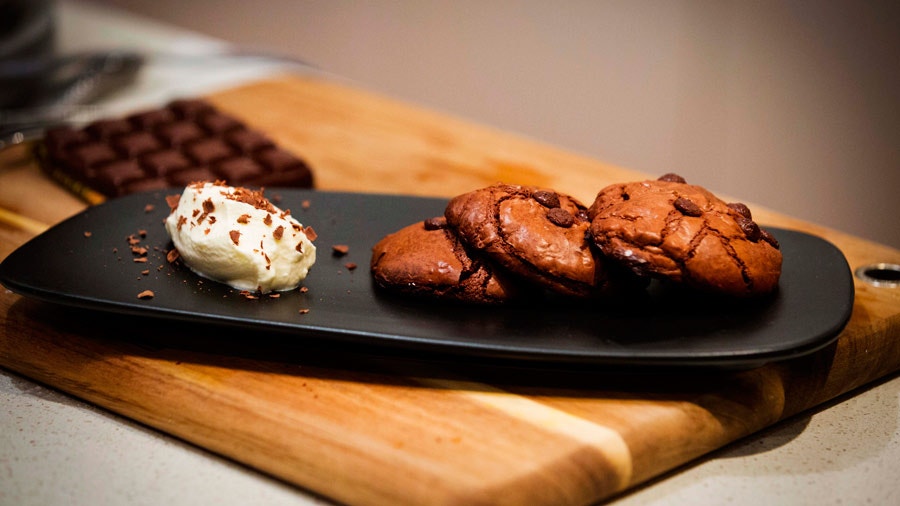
(369, 428)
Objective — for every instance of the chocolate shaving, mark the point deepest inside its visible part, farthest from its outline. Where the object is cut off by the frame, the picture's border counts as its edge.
(310, 233)
(340, 250)
(146, 294)
(172, 255)
(235, 236)
(172, 201)
(253, 197)
(278, 233)
(243, 219)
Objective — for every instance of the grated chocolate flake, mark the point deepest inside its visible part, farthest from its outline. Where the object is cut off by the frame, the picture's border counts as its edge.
(172, 201)
(146, 294)
(340, 250)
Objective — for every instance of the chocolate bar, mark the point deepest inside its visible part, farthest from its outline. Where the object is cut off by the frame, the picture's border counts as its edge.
(186, 141)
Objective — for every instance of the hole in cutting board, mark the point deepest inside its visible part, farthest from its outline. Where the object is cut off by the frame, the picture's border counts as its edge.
(880, 274)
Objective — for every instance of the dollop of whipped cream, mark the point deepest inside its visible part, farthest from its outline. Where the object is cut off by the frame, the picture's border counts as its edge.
(237, 237)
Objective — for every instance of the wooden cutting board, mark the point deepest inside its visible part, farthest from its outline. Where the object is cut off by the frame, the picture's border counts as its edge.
(367, 429)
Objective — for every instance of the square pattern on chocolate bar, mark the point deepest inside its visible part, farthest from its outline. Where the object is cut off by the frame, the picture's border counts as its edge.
(184, 142)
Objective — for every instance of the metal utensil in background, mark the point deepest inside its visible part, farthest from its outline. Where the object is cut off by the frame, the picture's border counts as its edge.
(59, 88)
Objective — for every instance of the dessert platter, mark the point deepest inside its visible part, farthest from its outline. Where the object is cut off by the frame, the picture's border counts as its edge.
(88, 262)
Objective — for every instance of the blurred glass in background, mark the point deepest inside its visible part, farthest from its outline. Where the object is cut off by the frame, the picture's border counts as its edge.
(27, 33)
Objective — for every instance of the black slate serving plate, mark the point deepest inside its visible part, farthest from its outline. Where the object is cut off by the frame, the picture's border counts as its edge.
(86, 262)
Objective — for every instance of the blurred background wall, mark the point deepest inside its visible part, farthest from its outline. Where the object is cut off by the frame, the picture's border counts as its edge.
(794, 104)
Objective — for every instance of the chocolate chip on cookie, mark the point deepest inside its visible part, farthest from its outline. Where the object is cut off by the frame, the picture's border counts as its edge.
(427, 259)
(687, 207)
(741, 209)
(560, 217)
(538, 234)
(436, 223)
(669, 229)
(547, 198)
(672, 178)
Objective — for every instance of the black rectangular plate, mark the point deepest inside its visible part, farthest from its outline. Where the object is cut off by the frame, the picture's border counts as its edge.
(86, 262)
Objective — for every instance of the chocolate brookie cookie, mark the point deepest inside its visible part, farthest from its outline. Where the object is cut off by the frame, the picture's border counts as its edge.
(184, 142)
(673, 230)
(535, 233)
(427, 259)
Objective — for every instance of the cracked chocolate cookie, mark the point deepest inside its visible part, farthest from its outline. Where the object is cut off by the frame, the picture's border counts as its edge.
(673, 230)
(427, 259)
(538, 234)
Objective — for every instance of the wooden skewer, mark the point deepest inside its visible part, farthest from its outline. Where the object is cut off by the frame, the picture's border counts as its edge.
(22, 222)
